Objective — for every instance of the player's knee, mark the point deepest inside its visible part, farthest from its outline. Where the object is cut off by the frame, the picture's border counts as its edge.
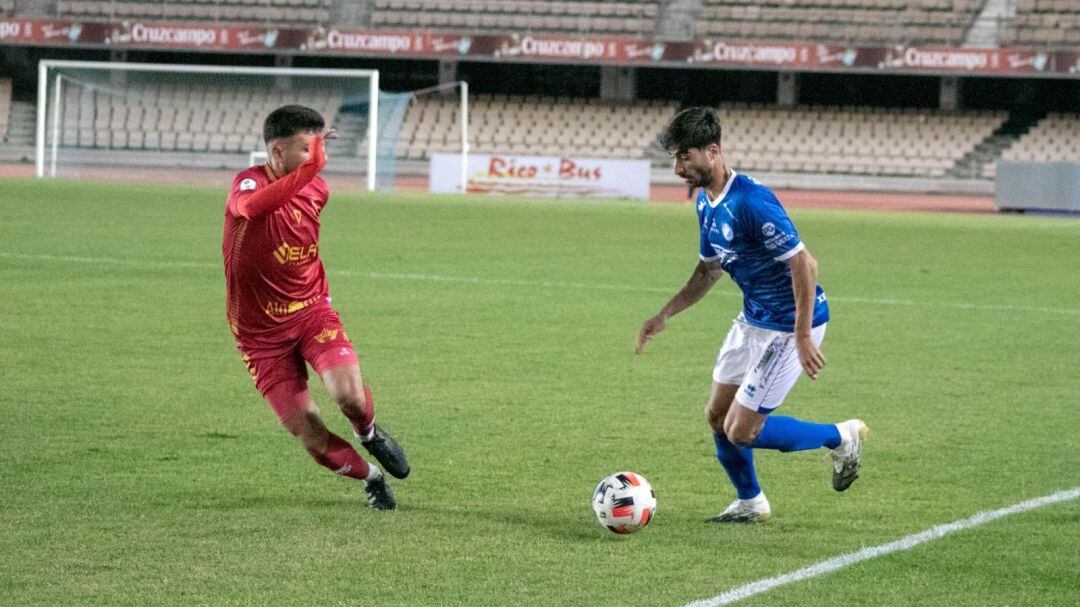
(740, 435)
(740, 439)
(352, 403)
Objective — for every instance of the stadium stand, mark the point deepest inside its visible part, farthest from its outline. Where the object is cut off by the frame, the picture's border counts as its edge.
(21, 124)
(171, 117)
(627, 17)
(1055, 138)
(858, 141)
(1041, 23)
(842, 21)
(5, 107)
(533, 125)
(236, 11)
(837, 140)
(1044, 23)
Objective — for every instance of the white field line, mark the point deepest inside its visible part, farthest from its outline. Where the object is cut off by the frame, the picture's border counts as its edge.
(540, 283)
(905, 543)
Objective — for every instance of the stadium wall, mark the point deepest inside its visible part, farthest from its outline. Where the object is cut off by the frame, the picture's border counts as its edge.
(1024, 186)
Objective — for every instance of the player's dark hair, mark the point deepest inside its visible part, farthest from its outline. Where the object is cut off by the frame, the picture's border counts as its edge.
(289, 120)
(694, 127)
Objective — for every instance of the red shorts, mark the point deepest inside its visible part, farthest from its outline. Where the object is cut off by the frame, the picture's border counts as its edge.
(317, 338)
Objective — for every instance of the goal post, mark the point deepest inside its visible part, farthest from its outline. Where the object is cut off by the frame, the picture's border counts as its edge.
(435, 120)
(463, 124)
(119, 114)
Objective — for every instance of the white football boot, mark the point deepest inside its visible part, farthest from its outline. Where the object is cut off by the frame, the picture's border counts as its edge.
(753, 510)
(848, 456)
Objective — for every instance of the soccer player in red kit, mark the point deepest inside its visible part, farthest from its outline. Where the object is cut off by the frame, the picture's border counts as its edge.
(279, 302)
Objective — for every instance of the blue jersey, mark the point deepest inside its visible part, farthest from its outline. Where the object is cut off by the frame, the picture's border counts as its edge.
(750, 235)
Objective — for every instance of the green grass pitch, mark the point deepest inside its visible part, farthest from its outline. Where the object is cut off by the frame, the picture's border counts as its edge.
(139, 466)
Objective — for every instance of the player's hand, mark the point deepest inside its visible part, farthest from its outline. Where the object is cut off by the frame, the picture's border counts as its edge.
(649, 330)
(318, 151)
(810, 356)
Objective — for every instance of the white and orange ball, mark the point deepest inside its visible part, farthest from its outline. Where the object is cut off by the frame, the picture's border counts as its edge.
(624, 502)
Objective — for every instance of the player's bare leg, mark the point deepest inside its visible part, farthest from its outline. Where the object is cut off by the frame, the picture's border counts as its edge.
(309, 428)
(347, 388)
(720, 400)
(742, 425)
(763, 431)
(738, 461)
(328, 449)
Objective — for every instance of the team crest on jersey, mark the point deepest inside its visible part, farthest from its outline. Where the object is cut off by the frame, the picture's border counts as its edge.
(726, 230)
(768, 229)
(247, 184)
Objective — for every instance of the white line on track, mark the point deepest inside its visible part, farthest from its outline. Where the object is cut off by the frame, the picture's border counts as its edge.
(905, 543)
(540, 283)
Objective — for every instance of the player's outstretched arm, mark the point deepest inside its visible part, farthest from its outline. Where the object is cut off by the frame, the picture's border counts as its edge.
(250, 205)
(804, 275)
(701, 280)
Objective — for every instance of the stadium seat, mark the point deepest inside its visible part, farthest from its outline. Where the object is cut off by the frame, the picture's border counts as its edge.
(852, 140)
(532, 125)
(174, 117)
(304, 12)
(1055, 138)
(844, 22)
(639, 16)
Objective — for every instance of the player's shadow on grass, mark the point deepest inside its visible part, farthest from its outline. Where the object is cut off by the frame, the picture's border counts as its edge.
(570, 528)
(576, 528)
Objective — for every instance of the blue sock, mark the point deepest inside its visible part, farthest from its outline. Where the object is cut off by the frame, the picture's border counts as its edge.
(790, 434)
(738, 462)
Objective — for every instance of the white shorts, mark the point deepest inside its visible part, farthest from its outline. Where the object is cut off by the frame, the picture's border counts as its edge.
(762, 362)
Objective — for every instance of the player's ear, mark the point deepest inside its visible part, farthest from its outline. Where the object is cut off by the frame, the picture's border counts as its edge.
(711, 152)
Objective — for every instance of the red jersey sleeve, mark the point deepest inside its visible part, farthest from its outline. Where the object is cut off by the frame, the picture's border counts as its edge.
(249, 198)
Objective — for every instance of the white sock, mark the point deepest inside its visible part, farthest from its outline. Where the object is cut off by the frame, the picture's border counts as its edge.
(845, 440)
(373, 473)
(370, 434)
(757, 501)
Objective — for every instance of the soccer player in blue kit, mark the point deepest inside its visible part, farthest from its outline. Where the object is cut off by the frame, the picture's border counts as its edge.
(777, 336)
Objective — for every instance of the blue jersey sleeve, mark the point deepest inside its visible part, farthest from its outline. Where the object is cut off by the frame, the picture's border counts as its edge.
(771, 226)
(705, 250)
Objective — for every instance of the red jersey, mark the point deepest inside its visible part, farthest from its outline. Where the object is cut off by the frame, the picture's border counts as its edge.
(271, 250)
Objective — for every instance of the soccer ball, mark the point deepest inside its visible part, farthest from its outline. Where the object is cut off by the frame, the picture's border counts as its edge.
(624, 502)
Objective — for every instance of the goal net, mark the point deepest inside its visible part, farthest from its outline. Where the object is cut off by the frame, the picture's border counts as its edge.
(104, 116)
(433, 121)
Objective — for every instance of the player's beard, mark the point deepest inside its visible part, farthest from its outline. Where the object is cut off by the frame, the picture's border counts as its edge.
(700, 177)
